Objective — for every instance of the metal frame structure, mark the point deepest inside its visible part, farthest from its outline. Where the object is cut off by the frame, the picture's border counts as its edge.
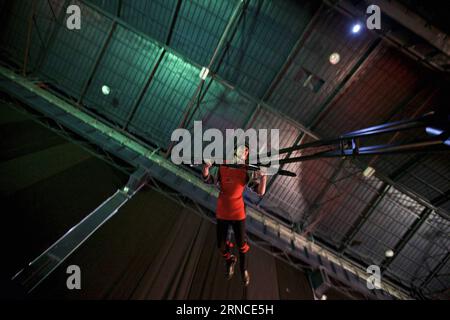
(161, 169)
(262, 104)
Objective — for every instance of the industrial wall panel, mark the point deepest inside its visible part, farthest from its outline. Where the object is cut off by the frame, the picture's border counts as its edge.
(72, 55)
(125, 68)
(199, 27)
(264, 38)
(165, 101)
(423, 252)
(331, 34)
(386, 225)
(351, 196)
(150, 17)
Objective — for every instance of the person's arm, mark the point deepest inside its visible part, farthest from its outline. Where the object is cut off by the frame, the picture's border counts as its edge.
(257, 182)
(205, 170)
(209, 173)
(262, 185)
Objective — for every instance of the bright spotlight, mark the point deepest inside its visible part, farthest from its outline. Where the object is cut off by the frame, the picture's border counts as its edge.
(356, 28)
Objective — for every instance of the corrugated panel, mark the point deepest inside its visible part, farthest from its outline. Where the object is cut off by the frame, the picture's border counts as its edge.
(331, 34)
(16, 15)
(111, 6)
(264, 38)
(288, 133)
(222, 108)
(125, 68)
(151, 17)
(165, 101)
(294, 196)
(441, 282)
(72, 55)
(199, 27)
(430, 177)
(386, 225)
(386, 82)
(423, 252)
(351, 196)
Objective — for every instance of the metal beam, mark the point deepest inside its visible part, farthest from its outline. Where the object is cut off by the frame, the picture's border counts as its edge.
(415, 23)
(41, 267)
(30, 29)
(441, 199)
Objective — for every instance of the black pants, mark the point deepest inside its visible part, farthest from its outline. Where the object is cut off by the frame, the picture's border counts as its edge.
(241, 240)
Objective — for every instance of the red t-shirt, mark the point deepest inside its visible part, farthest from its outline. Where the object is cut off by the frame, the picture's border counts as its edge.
(230, 205)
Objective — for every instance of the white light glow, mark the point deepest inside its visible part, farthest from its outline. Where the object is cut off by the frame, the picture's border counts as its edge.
(356, 28)
(368, 172)
(106, 90)
(335, 58)
(389, 253)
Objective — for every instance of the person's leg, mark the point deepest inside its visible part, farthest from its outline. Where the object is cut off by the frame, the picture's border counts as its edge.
(242, 245)
(225, 246)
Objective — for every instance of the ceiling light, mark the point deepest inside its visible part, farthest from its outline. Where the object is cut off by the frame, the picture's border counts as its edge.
(323, 297)
(356, 28)
(389, 253)
(368, 172)
(433, 131)
(204, 73)
(335, 58)
(106, 90)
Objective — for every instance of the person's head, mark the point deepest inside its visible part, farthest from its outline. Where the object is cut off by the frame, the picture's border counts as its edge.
(242, 151)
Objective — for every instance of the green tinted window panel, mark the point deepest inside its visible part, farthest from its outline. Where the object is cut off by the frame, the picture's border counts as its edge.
(263, 41)
(14, 37)
(199, 27)
(110, 6)
(125, 68)
(72, 55)
(223, 108)
(165, 101)
(151, 17)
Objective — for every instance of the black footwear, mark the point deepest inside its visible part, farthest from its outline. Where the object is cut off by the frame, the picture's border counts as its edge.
(245, 278)
(231, 263)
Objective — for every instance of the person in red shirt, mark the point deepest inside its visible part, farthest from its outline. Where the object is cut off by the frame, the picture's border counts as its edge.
(230, 210)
